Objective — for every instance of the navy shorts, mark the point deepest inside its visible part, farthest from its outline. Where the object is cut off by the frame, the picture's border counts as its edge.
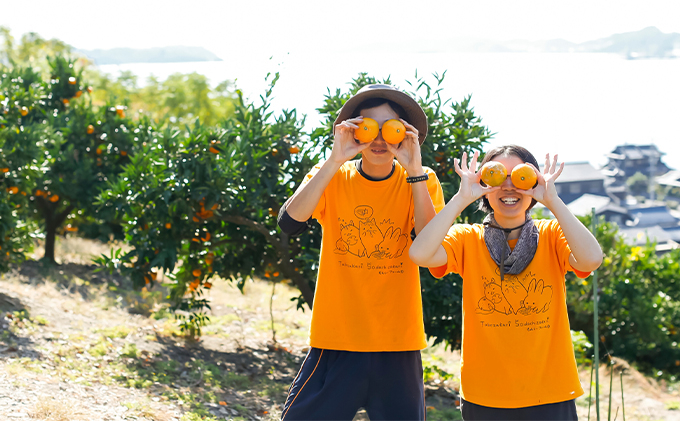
(552, 411)
(334, 385)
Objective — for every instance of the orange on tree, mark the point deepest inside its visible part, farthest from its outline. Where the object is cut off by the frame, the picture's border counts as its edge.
(196, 272)
(13, 190)
(72, 80)
(90, 129)
(4, 170)
(367, 130)
(71, 228)
(213, 150)
(65, 101)
(393, 131)
(54, 198)
(123, 153)
(24, 111)
(89, 89)
(99, 151)
(168, 225)
(523, 177)
(493, 173)
(275, 151)
(293, 149)
(78, 94)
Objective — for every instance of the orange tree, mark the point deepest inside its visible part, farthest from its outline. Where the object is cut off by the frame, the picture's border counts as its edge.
(24, 133)
(96, 144)
(207, 198)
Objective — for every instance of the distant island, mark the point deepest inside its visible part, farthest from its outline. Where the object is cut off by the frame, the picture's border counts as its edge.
(644, 44)
(149, 55)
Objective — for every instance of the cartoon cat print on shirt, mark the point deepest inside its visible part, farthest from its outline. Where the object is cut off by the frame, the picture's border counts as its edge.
(512, 296)
(366, 239)
(349, 243)
(493, 299)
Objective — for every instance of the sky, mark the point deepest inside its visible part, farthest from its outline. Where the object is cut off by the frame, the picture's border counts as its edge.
(253, 28)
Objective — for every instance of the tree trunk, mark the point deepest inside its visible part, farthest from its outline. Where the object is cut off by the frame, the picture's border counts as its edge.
(50, 238)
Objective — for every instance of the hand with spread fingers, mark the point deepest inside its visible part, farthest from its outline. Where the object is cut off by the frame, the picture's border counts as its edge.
(546, 192)
(345, 147)
(407, 151)
(470, 187)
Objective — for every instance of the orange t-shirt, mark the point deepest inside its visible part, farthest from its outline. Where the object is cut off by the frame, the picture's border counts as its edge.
(367, 294)
(516, 349)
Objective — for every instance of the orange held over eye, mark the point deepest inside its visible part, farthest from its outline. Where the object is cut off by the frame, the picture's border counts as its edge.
(523, 177)
(367, 131)
(393, 131)
(494, 173)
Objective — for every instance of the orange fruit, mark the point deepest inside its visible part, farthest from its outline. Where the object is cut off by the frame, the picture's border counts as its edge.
(65, 101)
(78, 94)
(207, 285)
(89, 89)
(99, 151)
(393, 131)
(196, 272)
(293, 149)
(367, 131)
(275, 151)
(13, 190)
(523, 177)
(23, 111)
(71, 80)
(4, 170)
(215, 206)
(90, 129)
(123, 153)
(71, 228)
(494, 173)
(39, 192)
(213, 150)
(168, 225)
(275, 274)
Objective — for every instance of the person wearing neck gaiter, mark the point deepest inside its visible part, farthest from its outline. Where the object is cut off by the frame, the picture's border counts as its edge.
(517, 358)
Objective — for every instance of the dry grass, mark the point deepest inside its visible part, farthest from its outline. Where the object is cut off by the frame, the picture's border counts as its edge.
(56, 410)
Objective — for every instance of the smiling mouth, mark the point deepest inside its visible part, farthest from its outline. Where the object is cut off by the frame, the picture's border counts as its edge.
(509, 200)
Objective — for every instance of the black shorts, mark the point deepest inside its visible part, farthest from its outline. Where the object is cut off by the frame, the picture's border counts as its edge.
(334, 385)
(552, 411)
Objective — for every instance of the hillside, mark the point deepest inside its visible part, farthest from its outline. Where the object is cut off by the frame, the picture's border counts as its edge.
(80, 345)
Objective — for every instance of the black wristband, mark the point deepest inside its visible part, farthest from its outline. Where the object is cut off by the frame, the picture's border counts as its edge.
(417, 178)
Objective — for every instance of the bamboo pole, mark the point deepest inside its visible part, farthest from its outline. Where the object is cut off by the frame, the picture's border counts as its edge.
(596, 334)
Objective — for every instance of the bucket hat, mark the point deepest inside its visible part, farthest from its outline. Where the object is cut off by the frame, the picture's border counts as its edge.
(414, 113)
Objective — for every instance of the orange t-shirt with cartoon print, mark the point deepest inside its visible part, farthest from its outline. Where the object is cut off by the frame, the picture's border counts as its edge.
(516, 349)
(367, 294)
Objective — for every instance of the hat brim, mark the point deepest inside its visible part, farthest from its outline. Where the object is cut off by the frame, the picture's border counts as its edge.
(415, 114)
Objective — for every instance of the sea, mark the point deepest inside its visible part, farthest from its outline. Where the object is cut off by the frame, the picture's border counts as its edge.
(577, 105)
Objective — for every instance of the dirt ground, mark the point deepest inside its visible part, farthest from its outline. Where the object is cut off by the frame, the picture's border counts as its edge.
(81, 345)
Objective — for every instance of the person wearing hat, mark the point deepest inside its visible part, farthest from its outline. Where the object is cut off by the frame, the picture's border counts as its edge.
(367, 322)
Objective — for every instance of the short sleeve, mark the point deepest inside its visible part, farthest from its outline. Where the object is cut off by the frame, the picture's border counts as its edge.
(453, 245)
(435, 190)
(563, 250)
(319, 211)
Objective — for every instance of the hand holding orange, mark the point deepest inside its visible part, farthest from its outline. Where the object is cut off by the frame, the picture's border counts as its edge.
(493, 173)
(523, 177)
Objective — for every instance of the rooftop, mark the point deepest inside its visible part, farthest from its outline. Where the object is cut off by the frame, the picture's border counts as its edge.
(578, 171)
